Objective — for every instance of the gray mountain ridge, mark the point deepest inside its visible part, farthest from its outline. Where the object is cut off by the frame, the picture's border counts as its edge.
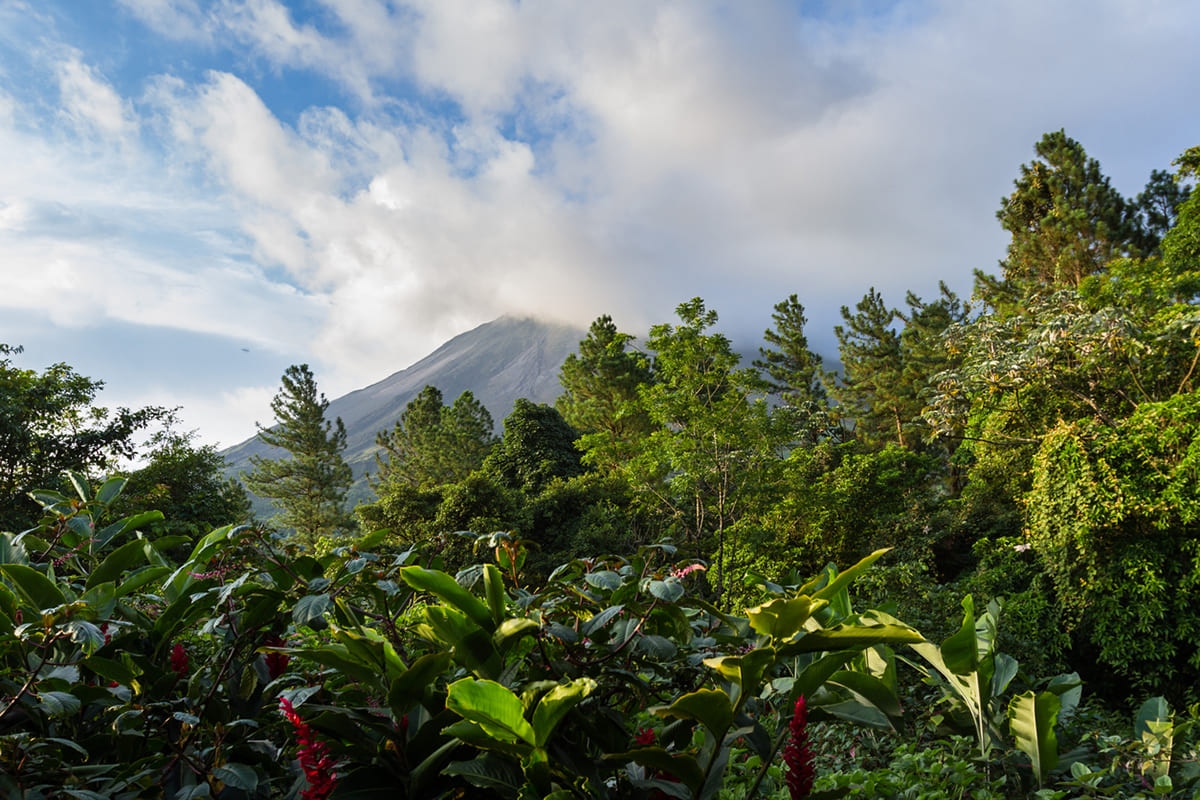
(499, 362)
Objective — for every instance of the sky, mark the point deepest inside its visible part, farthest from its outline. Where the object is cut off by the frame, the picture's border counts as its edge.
(196, 194)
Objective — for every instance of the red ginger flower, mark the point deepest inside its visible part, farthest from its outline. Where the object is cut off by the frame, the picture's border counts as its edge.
(797, 756)
(645, 737)
(314, 756)
(179, 660)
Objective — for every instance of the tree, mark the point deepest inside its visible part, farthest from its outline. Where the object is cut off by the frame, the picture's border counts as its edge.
(48, 425)
(538, 445)
(872, 390)
(793, 371)
(600, 394)
(310, 486)
(187, 484)
(715, 445)
(434, 444)
(1066, 219)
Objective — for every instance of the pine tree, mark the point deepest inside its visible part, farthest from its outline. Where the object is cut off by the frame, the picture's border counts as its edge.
(433, 444)
(1066, 220)
(310, 486)
(873, 391)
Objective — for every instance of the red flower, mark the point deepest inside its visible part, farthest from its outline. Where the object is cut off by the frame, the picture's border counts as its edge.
(277, 663)
(314, 756)
(797, 756)
(179, 660)
(645, 737)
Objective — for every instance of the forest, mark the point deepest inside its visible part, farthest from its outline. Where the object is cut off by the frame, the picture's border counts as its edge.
(964, 564)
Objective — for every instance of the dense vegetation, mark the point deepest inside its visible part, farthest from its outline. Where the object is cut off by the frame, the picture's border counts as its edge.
(1014, 480)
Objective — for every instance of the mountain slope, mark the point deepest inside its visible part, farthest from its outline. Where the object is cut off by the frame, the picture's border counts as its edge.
(500, 362)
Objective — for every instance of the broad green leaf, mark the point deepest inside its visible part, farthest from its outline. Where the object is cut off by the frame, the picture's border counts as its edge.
(59, 704)
(445, 587)
(491, 706)
(869, 690)
(1005, 669)
(126, 525)
(600, 620)
(555, 703)
(960, 651)
(118, 561)
(850, 636)
(237, 776)
(411, 686)
(744, 671)
(111, 669)
(35, 587)
(710, 707)
(1156, 709)
(657, 647)
(1031, 719)
(603, 579)
(814, 675)
(109, 490)
(511, 630)
(311, 607)
(80, 484)
(783, 618)
(493, 585)
(669, 590)
(488, 772)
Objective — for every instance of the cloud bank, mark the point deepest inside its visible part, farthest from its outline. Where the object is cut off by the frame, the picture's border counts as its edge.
(351, 183)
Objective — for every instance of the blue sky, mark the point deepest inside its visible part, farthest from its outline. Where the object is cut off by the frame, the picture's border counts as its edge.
(197, 194)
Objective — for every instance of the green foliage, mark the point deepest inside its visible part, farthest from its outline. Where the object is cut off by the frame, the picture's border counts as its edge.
(1066, 220)
(48, 425)
(187, 484)
(538, 446)
(600, 396)
(1114, 515)
(309, 485)
(433, 444)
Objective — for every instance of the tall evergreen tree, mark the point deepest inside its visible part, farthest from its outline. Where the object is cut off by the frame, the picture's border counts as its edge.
(309, 487)
(433, 444)
(1066, 221)
(792, 370)
(872, 390)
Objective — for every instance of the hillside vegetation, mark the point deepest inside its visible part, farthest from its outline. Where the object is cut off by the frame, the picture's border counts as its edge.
(966, 565)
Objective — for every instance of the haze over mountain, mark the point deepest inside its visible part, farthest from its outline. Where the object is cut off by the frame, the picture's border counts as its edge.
(499, 361)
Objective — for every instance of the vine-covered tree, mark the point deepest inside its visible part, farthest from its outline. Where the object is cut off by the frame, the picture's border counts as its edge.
(309, 486)
(49, 424)
(538, 446)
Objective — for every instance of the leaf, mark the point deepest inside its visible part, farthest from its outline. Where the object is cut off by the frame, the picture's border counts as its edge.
(34, 586)
(493, 585)
(603, 579)
(669, 591)
(555, 703)
(119, 560)
(783, 618)
(446, 588)
(710, 707)
(601, 619)
(1031, 719)
(410, 687)
(657, 647)
(491, 706)
(237, 776)
(311, 607)
(960, 652)
(869, 690)
(1005, 670)
(1156, 709)
(109, 490)
(59, 704)
(850, 636)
